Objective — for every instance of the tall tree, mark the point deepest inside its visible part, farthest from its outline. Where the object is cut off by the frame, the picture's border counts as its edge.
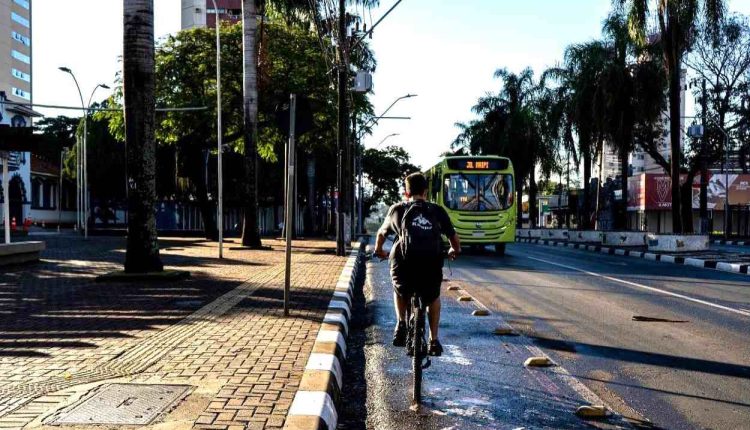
(630, 97)
(581, 93)
(509, 125)
(250, 232)
(677, 22)
(142, 253)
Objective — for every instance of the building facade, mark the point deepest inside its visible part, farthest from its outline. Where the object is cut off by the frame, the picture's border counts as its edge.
(201, 13)
(15, 87)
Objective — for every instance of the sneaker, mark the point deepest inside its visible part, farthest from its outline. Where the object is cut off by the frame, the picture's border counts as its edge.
(399, 335)
(436, 349)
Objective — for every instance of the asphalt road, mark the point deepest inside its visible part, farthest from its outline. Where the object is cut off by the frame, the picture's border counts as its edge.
(739, 249)
(690, 370)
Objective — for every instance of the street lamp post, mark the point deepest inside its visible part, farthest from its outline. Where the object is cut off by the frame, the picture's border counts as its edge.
(219, 137)
(84, 170)
(374, 120)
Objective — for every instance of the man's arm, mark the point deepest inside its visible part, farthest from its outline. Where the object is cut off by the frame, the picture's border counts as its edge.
(455, 246)
(379, 241)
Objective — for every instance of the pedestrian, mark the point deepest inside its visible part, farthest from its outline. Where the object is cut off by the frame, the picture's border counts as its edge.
(416, 258)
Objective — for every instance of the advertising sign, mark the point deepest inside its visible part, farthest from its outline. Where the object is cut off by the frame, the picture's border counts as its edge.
(649, 191)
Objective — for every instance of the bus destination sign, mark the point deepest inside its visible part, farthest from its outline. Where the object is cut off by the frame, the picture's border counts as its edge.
(477, 164)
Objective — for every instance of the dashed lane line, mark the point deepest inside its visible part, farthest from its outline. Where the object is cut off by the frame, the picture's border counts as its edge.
(646, 287)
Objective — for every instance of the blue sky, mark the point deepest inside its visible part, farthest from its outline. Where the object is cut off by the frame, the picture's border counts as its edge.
(445, 51)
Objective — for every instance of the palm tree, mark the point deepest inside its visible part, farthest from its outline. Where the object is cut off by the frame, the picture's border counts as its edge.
(509, 125)
(677, 21)
(250, 233)
(142, 253)
(581, 94)
(630, 98)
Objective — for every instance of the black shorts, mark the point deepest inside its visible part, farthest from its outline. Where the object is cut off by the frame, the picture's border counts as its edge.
(423, 278)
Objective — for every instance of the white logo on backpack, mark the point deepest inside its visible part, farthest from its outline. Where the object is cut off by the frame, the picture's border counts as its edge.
(421, 222)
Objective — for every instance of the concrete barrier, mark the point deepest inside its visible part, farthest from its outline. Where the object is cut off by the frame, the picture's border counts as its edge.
(20, 252)
(624, 238)
(677, 242)
(585, 236)
(555, 234)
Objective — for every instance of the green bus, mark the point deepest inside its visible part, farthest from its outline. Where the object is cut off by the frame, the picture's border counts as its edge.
(478, 194)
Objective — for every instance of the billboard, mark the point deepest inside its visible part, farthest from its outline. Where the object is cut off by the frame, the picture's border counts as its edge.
(653, 191)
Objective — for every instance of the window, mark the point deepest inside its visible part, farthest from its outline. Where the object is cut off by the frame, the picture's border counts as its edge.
(19, 19)
(21, 75)
(21, 57)
(36, 194)
(21, 38)
(21, 93)
(478, 192)
(23, 3)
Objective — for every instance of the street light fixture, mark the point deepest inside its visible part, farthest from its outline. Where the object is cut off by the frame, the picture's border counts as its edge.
(83, 171)
(374, 120)
(386, 138)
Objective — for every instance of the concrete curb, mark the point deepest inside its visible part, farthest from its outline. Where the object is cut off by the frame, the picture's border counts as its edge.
(696, 262)
(315, 404)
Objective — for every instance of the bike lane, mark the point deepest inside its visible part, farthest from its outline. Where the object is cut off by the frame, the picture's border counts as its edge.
(480, 382)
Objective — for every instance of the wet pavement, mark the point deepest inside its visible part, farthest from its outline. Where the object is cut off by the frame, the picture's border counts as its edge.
(480, 382)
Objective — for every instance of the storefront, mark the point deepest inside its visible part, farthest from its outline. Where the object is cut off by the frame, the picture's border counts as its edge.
(650, 201)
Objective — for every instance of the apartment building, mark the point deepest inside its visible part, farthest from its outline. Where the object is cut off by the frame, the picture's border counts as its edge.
(15, 87)
(201, 13)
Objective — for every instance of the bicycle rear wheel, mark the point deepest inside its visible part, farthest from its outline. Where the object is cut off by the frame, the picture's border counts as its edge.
(418, 339)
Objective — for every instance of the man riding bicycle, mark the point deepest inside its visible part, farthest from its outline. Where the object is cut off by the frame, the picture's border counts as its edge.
(416, 258)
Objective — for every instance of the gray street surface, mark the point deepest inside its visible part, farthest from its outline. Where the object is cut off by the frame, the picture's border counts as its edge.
(658, 343)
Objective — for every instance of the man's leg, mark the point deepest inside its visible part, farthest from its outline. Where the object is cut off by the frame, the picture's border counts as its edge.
(433, 313)
(400, 306)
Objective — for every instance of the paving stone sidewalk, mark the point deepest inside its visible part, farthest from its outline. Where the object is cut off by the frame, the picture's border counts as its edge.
(222, 332)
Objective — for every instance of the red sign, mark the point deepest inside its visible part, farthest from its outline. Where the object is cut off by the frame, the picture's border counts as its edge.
(649, 191)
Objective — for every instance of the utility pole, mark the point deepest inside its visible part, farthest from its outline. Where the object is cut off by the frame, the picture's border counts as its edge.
(704, 167)
(290, 197)
(343, 133)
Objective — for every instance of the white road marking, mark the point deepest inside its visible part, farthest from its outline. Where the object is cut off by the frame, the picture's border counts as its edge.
(645, 287)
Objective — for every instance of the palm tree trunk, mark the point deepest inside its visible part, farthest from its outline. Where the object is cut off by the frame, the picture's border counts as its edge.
(519, 203)
(250, 234)
(533, 210)
(142, 253)
(621, 221)
(674, 61)
(585, 221)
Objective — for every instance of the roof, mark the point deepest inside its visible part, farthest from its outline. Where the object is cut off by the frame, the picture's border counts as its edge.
(42, 166)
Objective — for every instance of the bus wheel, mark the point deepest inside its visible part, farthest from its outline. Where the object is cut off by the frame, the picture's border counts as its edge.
(500, 249)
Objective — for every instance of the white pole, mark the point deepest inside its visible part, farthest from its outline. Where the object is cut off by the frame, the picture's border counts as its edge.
(79, 149)
(726, 185)
(6, 198)
(219, 137)
(289, 219)
(85, 177)
(59, 192)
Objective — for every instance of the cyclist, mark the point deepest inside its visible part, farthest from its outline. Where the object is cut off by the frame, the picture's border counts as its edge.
(416, 258)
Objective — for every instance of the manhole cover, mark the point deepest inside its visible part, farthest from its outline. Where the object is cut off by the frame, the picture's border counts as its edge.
(127, 404)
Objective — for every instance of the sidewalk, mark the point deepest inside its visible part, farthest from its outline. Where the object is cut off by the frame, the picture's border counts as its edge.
(220, 338)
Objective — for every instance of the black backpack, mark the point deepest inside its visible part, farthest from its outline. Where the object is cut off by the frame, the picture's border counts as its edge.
(420, 236)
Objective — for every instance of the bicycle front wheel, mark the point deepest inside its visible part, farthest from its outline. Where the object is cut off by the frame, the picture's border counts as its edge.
(418, 339)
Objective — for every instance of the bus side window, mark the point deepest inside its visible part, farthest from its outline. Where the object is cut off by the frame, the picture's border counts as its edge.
(435, 185)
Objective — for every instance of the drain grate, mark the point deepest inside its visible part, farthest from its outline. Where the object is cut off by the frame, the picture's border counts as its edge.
(124, 404)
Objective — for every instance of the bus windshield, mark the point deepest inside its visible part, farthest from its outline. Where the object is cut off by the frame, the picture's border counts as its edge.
(478, 191)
